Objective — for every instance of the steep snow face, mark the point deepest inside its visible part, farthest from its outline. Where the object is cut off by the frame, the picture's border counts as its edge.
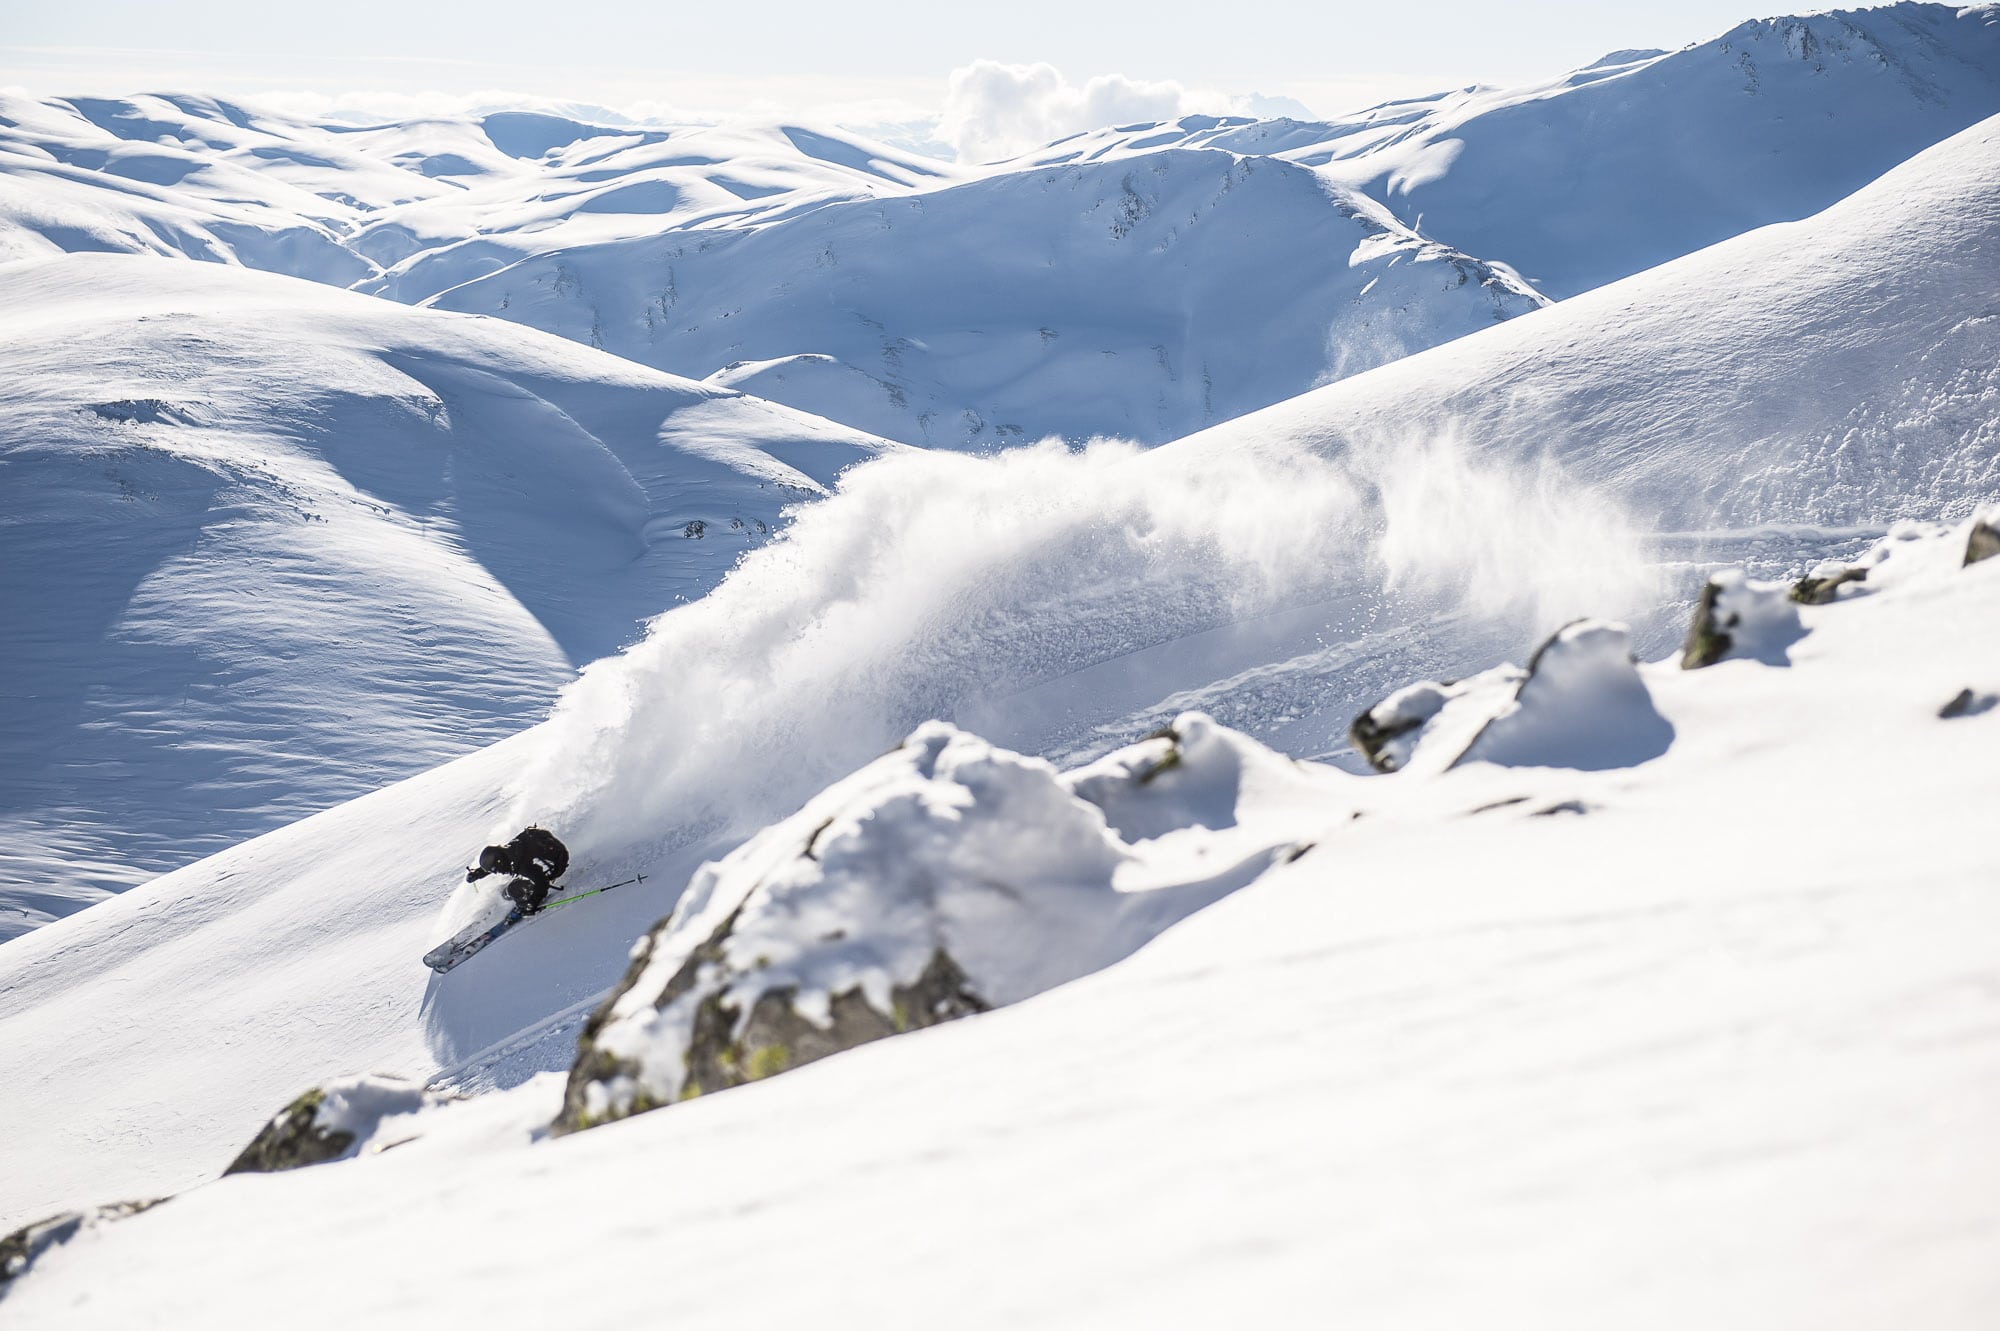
(271, 545)
(1644, 156)
(1770, 122)
(1835, 372)
(1617, 1046)
(1140, 300)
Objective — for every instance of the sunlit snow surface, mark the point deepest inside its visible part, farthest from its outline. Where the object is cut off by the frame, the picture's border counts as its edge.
(1705, 1037)
(292, 958)
(1694, 1028)
(1644, 155)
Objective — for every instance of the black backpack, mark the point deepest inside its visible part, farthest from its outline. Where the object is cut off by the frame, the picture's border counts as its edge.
(540, 846)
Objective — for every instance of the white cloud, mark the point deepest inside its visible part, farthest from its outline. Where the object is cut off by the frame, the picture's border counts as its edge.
(993, 110)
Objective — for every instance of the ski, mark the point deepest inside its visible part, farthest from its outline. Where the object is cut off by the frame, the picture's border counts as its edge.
(478, 937)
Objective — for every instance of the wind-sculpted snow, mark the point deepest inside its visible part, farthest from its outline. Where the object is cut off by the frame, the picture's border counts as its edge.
(271, 545)
(607, 185)
(193, 178)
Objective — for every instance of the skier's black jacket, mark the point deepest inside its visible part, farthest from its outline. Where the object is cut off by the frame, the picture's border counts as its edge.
(535, 854)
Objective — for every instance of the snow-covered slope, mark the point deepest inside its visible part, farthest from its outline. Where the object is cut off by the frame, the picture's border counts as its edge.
(192, 177)
(1621, 168)
(201, 178)
(1139, 299)
(270, 545)
(1845, 378)
(588, 185)
(1838, 371)
(1628, 1046)
(1643, 156)
(1281, 573)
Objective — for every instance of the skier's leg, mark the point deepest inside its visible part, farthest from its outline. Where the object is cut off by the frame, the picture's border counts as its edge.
(521, 892)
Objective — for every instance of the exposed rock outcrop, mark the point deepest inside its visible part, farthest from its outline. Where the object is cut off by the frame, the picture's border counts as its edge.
(331, 1122)
(1983, 541)
(1738, 617)
(1579, 703)
(1823, 584)
(945, 878)
(1389, 734)
(20, 1249)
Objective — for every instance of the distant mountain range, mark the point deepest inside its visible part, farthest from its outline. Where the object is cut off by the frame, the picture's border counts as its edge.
(1144, 281)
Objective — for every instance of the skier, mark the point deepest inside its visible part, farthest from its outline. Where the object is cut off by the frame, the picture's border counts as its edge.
(536, 859)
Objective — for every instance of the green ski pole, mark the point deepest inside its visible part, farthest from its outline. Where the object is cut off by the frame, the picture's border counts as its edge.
(637, 878)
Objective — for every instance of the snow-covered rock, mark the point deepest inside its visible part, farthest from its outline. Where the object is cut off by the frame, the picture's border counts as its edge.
(336, 1122)
(20, 1249)
(1579, 703)
(1390, 733)
(1983, 540)
(1738, 616)
(944, 879)
(1582, 705)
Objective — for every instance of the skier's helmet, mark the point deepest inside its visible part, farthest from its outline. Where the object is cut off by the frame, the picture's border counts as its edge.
(494, 859)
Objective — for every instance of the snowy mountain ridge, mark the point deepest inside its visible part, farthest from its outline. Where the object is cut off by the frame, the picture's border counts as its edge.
(1642, 156)
(741, 253)
(200, 177)
(1087, 301)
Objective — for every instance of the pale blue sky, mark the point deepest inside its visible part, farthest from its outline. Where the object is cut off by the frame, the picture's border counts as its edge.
(805, 58)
